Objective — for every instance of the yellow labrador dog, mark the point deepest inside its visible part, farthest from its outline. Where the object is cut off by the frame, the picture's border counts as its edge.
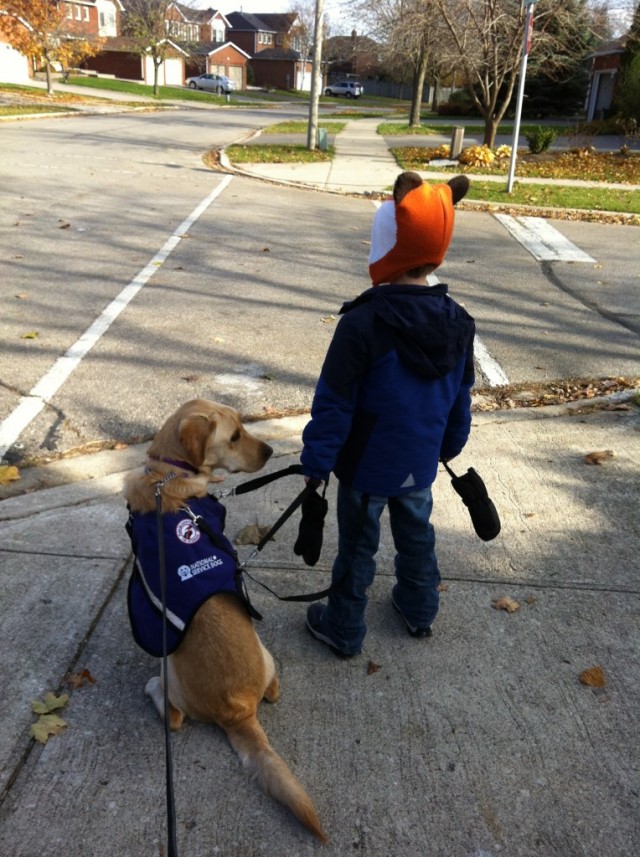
(219, 670)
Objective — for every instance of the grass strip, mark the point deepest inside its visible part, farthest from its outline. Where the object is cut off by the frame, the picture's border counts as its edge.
(554, 196)
(301, 127)
(282, 154)
(30, 109)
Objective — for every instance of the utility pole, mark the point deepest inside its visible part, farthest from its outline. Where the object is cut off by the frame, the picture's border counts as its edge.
(316, 77)
(526, 46)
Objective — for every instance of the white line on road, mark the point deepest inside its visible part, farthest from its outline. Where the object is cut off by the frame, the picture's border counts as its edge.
(30, 406)
(542, 240)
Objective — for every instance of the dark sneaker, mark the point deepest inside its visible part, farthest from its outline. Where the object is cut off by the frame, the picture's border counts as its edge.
(414, 630)
(315, 614)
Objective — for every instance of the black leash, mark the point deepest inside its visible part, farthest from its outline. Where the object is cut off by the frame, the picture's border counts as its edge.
(172, 846)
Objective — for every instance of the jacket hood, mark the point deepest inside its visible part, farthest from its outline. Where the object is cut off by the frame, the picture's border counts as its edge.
(428, 341)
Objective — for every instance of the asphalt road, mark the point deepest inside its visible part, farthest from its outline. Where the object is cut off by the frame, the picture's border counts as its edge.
(240, 305)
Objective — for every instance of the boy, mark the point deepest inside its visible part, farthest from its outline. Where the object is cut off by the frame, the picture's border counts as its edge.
(392, 399)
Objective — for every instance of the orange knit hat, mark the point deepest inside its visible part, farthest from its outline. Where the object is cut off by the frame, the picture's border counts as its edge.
(415, 229)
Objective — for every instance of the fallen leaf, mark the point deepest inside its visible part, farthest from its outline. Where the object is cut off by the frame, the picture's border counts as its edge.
(328, 318)
(593, 677)
(252, 534)
(505, 603)
(8, 473)
(46, 726)
(372, 668)
(266, 250)
(442, 587)
(598, 457)
(33, 334)
(530, 599)
(22, 296)
(77, 680)
(64, 226)
(51, 703)
(191, 378)
(121, 445)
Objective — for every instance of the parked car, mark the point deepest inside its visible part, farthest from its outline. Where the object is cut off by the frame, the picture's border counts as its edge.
(348, 88)
(212, 83)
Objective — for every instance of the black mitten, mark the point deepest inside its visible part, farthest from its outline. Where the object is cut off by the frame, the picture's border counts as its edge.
(484, 515)
(309, 542)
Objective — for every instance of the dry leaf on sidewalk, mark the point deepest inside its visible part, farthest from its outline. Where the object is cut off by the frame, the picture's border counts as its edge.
(593, 677)
(598, 457)
(76, 680)
(46, 726)
(252, 534)
(8, 473)
(372, 668)
(505, 603)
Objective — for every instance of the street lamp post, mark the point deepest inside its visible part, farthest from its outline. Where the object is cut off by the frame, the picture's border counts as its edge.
(316, 77)
(526, 45)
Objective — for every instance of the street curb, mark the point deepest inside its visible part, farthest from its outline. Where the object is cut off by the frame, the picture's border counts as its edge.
(284, 434)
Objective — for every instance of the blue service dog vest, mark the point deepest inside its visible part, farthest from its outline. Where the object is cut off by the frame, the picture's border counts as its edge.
(198, 565)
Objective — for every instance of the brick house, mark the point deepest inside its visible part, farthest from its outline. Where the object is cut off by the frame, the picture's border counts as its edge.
(605, 64)
(83, 18)
(274, 45)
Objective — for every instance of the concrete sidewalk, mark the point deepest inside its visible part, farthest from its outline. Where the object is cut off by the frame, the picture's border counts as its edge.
(481, 741)
(363, 163)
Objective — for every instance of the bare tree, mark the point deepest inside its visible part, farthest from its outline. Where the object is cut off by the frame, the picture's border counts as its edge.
(147, 24)
(488, 36)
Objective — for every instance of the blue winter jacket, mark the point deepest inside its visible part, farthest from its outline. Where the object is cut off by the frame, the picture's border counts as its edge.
(394, 392)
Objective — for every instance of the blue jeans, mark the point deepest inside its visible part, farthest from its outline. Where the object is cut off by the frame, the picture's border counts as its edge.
(416, 568)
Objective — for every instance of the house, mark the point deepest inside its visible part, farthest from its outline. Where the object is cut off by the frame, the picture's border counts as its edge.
(218, 58)
(605, 64)
(82, 18)
(275, 43)
(185, 24)
(121, 58)
(355, 55)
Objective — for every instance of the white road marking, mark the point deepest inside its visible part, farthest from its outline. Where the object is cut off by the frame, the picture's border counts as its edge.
(30, 406)
(542, 240)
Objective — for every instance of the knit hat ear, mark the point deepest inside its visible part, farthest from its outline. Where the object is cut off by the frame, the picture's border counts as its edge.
(416, 229)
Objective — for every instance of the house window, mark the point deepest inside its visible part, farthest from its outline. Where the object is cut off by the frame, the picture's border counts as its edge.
(86, 13)
(69, 11)
(78, 13)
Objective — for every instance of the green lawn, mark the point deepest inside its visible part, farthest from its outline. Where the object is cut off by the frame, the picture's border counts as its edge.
(277, 154)
(554, 196)
(29, 109)
(171, 93)
(302, 126)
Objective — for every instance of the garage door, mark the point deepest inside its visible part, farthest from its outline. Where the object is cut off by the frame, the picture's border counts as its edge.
(14, 67)
(233, 72)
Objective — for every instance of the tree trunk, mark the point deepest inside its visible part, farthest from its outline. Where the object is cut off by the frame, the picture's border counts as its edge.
(491, 123)
(418, 88)
(47, 65)
(156, 69)
(435, 101)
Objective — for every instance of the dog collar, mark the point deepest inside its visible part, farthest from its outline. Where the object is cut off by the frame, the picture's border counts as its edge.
(183, 465)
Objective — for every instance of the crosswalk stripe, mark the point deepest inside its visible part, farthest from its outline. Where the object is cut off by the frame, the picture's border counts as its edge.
(542, 240)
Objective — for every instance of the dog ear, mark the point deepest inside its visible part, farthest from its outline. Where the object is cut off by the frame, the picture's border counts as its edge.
(194, 435)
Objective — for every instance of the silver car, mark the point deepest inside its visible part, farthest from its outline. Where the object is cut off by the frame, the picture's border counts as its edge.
(212, 83)
(348, 88)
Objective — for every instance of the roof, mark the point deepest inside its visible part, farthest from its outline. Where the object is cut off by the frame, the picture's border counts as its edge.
(277, 54)
(198, 16)
(208, 48)
(252, 23)
(616, 46)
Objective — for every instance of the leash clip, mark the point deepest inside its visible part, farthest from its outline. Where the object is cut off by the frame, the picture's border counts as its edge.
(160, 485)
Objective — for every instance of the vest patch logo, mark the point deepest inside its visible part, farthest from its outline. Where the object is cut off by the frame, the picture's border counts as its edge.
(187, 532)
(188, 571)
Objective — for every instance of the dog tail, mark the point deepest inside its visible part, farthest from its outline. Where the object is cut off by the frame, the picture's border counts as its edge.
(250, 742)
